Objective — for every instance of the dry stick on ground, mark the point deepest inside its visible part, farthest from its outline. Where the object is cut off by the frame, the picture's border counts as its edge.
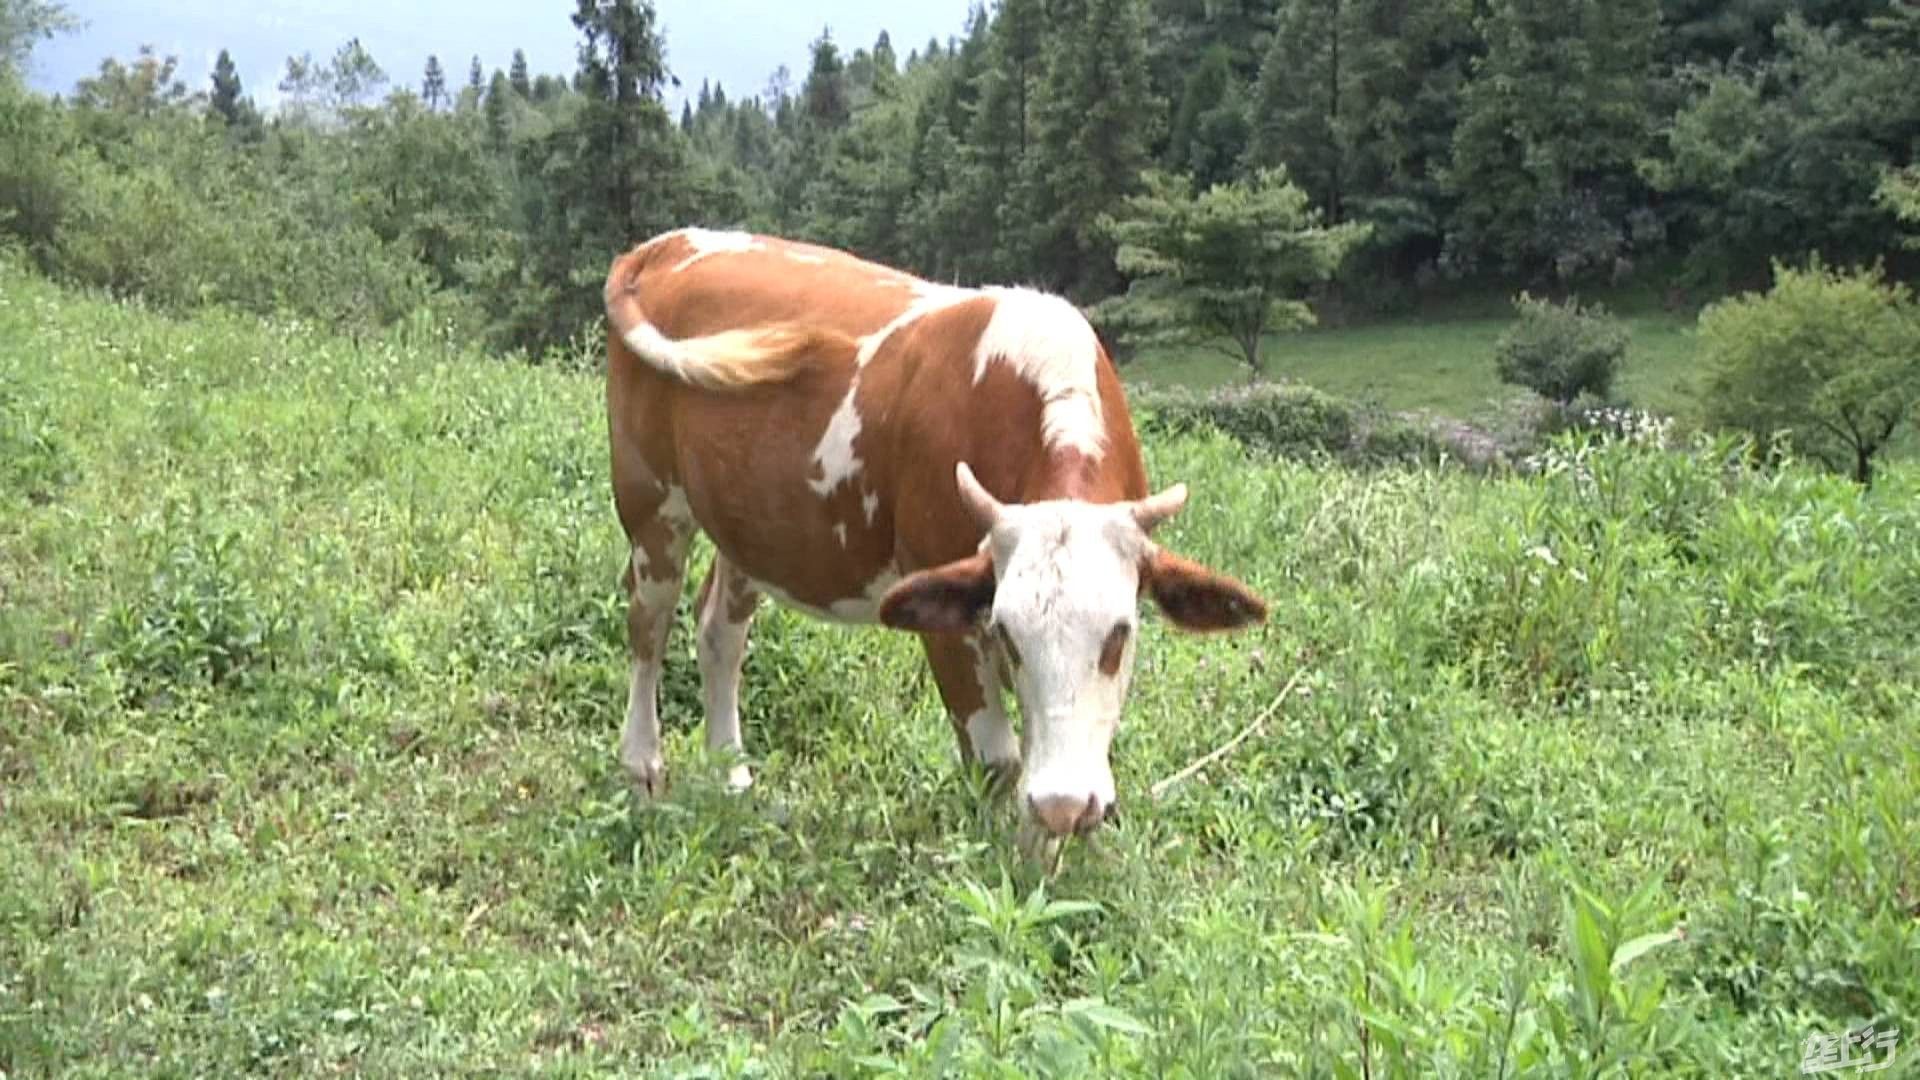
(1226, 748)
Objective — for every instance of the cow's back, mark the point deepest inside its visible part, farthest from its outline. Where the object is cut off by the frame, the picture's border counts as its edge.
(694, 282)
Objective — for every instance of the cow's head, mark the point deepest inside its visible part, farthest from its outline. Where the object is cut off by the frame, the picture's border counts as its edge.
(1056, 586)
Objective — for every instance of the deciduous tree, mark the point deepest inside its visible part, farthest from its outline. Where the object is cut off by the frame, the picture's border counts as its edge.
(1830, 357)
(1235, 261)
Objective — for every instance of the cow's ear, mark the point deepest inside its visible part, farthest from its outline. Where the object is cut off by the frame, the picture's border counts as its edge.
(945, 599)
(1196, 598)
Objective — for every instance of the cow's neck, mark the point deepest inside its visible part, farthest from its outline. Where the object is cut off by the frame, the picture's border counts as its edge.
(1069, 474)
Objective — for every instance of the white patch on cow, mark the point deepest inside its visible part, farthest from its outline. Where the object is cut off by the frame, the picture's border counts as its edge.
(840, 532)
(719, 647)
(871, 504)
(656, 593)
(1068, 573)
(707, 242)
(806, 257)
(1053, 348)
(1049, 344)
(834, 457)
(865, 608)
(640, 742)
(862, 610)
(674, 507)
(992, 736)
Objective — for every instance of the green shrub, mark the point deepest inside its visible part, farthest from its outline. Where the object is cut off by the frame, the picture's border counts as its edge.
(1291, 420)
(1829, 357)
(1389, 438)
(1284, 419)
(1561, 351)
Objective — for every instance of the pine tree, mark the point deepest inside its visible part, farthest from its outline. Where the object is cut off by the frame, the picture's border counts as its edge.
(1304, 83)
(433, 85)
(1552, 124)
(1092, 138)
(986, 206)
(517, 75)
(225, 98)
(934, 233)
(1403, 108)
(626, 140)
(472, 94)
(499, 119)
(969, 61)
(1210, 130)
(886, 72)
(825, 92)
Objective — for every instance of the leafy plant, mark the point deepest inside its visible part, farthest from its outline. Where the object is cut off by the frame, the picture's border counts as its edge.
(1234, 261)
(1561, 350)
(1830, 357)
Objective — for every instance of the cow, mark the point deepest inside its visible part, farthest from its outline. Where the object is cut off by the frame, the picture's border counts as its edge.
(869, 447)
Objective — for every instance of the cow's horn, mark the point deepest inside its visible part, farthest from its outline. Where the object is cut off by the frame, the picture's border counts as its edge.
(986, 509)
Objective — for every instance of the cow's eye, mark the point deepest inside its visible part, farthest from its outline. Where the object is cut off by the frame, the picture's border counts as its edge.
(1110, 652)
(1006, 642)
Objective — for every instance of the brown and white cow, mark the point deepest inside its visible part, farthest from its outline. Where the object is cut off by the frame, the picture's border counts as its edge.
(870, 447)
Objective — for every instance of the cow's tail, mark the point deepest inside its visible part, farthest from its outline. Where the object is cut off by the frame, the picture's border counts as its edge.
(728, 360)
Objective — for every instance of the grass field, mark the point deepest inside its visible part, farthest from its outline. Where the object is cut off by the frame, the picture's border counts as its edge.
(1442, 364)
(311, 672)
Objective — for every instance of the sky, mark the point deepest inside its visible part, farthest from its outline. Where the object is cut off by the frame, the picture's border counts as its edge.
(739, 43)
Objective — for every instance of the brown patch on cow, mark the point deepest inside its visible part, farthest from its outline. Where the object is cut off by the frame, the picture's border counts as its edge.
(741, 598)
(1112, 650)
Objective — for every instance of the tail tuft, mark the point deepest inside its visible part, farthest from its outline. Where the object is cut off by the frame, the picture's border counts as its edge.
(728, 360)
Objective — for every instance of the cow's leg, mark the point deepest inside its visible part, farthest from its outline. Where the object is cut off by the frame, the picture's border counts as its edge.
(969, 673)
(726, 606)
(653, 577)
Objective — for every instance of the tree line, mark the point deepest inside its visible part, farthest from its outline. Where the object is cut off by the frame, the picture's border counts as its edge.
(1520, 143)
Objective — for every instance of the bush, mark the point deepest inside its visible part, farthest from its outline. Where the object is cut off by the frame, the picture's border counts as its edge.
(1284, 419)
(1826, 356)
(1561, 351)
(1290, 420)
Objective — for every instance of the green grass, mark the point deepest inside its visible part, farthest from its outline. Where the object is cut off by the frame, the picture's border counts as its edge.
(311, 673)
(1443, 364)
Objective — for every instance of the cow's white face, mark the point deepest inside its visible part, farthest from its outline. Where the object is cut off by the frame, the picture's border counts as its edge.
(1067, 580)
(1056, 586)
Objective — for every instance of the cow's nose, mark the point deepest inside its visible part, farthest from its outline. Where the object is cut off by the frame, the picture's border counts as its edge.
(1064, 815)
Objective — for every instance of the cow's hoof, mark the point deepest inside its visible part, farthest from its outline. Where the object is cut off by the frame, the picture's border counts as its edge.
(739, 778)
(648, 779)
